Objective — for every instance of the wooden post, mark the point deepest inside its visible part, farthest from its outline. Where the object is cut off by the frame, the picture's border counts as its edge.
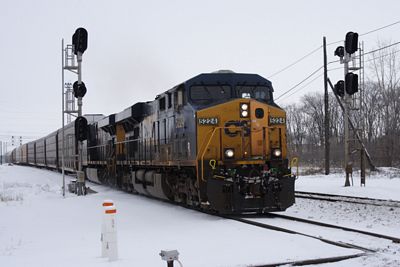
(326, 100)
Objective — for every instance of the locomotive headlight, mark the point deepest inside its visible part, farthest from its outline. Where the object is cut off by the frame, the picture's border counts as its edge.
(229, 153)
(244, 110)
(244, 106)
(277, 152)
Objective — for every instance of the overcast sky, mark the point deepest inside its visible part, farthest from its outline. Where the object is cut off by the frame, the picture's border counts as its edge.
(138, 49)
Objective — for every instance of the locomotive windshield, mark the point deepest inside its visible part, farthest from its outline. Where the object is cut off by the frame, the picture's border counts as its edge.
(207, 94)
(204, 95)
(261, 93)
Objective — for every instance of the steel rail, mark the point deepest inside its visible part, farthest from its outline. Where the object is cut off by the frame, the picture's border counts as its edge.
(348, 199)
(313, 261)
(391, 238)
(280, 229)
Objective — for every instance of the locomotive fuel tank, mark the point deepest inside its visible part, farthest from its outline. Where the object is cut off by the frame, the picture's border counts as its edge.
(150, 183)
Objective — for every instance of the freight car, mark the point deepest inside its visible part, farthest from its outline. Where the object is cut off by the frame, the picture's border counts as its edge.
(216, 141)
(46, 151)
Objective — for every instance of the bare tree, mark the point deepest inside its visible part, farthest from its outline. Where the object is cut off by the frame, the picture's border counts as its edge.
(385, 68)
(313, 106)
(296, 127)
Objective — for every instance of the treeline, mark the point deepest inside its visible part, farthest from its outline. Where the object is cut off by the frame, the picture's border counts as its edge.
(378, 121)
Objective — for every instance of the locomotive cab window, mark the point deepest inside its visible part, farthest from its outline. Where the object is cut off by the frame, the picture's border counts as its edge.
(161, 103)
(169, 96)
(261, 93)
(179, 97)
(208, 94)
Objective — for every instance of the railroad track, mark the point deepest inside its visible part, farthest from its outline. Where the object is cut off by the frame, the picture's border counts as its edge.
(334, 226)
(348, 199)
(365, 251)
(250, 219)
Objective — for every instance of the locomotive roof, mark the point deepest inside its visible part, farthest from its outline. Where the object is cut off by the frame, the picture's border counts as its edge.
(221, 77)
(229, 77)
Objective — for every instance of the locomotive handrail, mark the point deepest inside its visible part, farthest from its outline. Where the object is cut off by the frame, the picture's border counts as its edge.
(208, 144)
(202, 156)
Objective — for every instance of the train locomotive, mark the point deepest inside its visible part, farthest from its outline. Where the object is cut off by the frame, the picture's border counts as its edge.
(216, 142)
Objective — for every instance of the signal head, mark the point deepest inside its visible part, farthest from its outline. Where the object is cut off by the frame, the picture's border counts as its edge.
(80, 40)
(351, 80)
(339, 51)
(351, 42)
(339, 88)
(81, 126)
(79, 89)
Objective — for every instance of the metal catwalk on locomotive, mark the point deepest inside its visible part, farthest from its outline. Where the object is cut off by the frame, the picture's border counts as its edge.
(217, 141)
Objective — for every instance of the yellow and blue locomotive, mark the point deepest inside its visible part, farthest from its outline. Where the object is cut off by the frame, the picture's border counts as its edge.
(216, 141)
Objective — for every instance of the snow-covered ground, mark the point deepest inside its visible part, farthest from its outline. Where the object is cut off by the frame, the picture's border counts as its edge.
(384, 184)
(38, 227)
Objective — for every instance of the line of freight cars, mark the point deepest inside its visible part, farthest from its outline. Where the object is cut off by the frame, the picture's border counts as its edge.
(46, 151)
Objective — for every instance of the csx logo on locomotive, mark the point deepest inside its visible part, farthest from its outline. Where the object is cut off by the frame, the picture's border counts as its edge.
(234, 131)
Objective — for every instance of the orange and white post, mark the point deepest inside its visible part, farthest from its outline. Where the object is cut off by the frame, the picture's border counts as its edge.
(109, 232)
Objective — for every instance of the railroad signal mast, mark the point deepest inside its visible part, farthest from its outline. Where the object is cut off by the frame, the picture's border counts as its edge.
(352, 102)
(69, 101)
(69, 53)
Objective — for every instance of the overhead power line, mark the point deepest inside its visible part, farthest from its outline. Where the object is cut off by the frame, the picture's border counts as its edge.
(382, 56)
(381, 48)
(315, 78)
(381, 28)
(298, 84)
(369, 52)
(340, 68)
(295, 62)
(369, 32)
(310, 82)
(317, 49)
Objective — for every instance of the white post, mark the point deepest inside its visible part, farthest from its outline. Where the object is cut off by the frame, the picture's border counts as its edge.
(110, 233)
(106, 203)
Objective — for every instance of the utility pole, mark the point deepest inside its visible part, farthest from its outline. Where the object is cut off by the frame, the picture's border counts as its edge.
(362, 126)
(1, 153)
(326, 100)
(346, 121)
